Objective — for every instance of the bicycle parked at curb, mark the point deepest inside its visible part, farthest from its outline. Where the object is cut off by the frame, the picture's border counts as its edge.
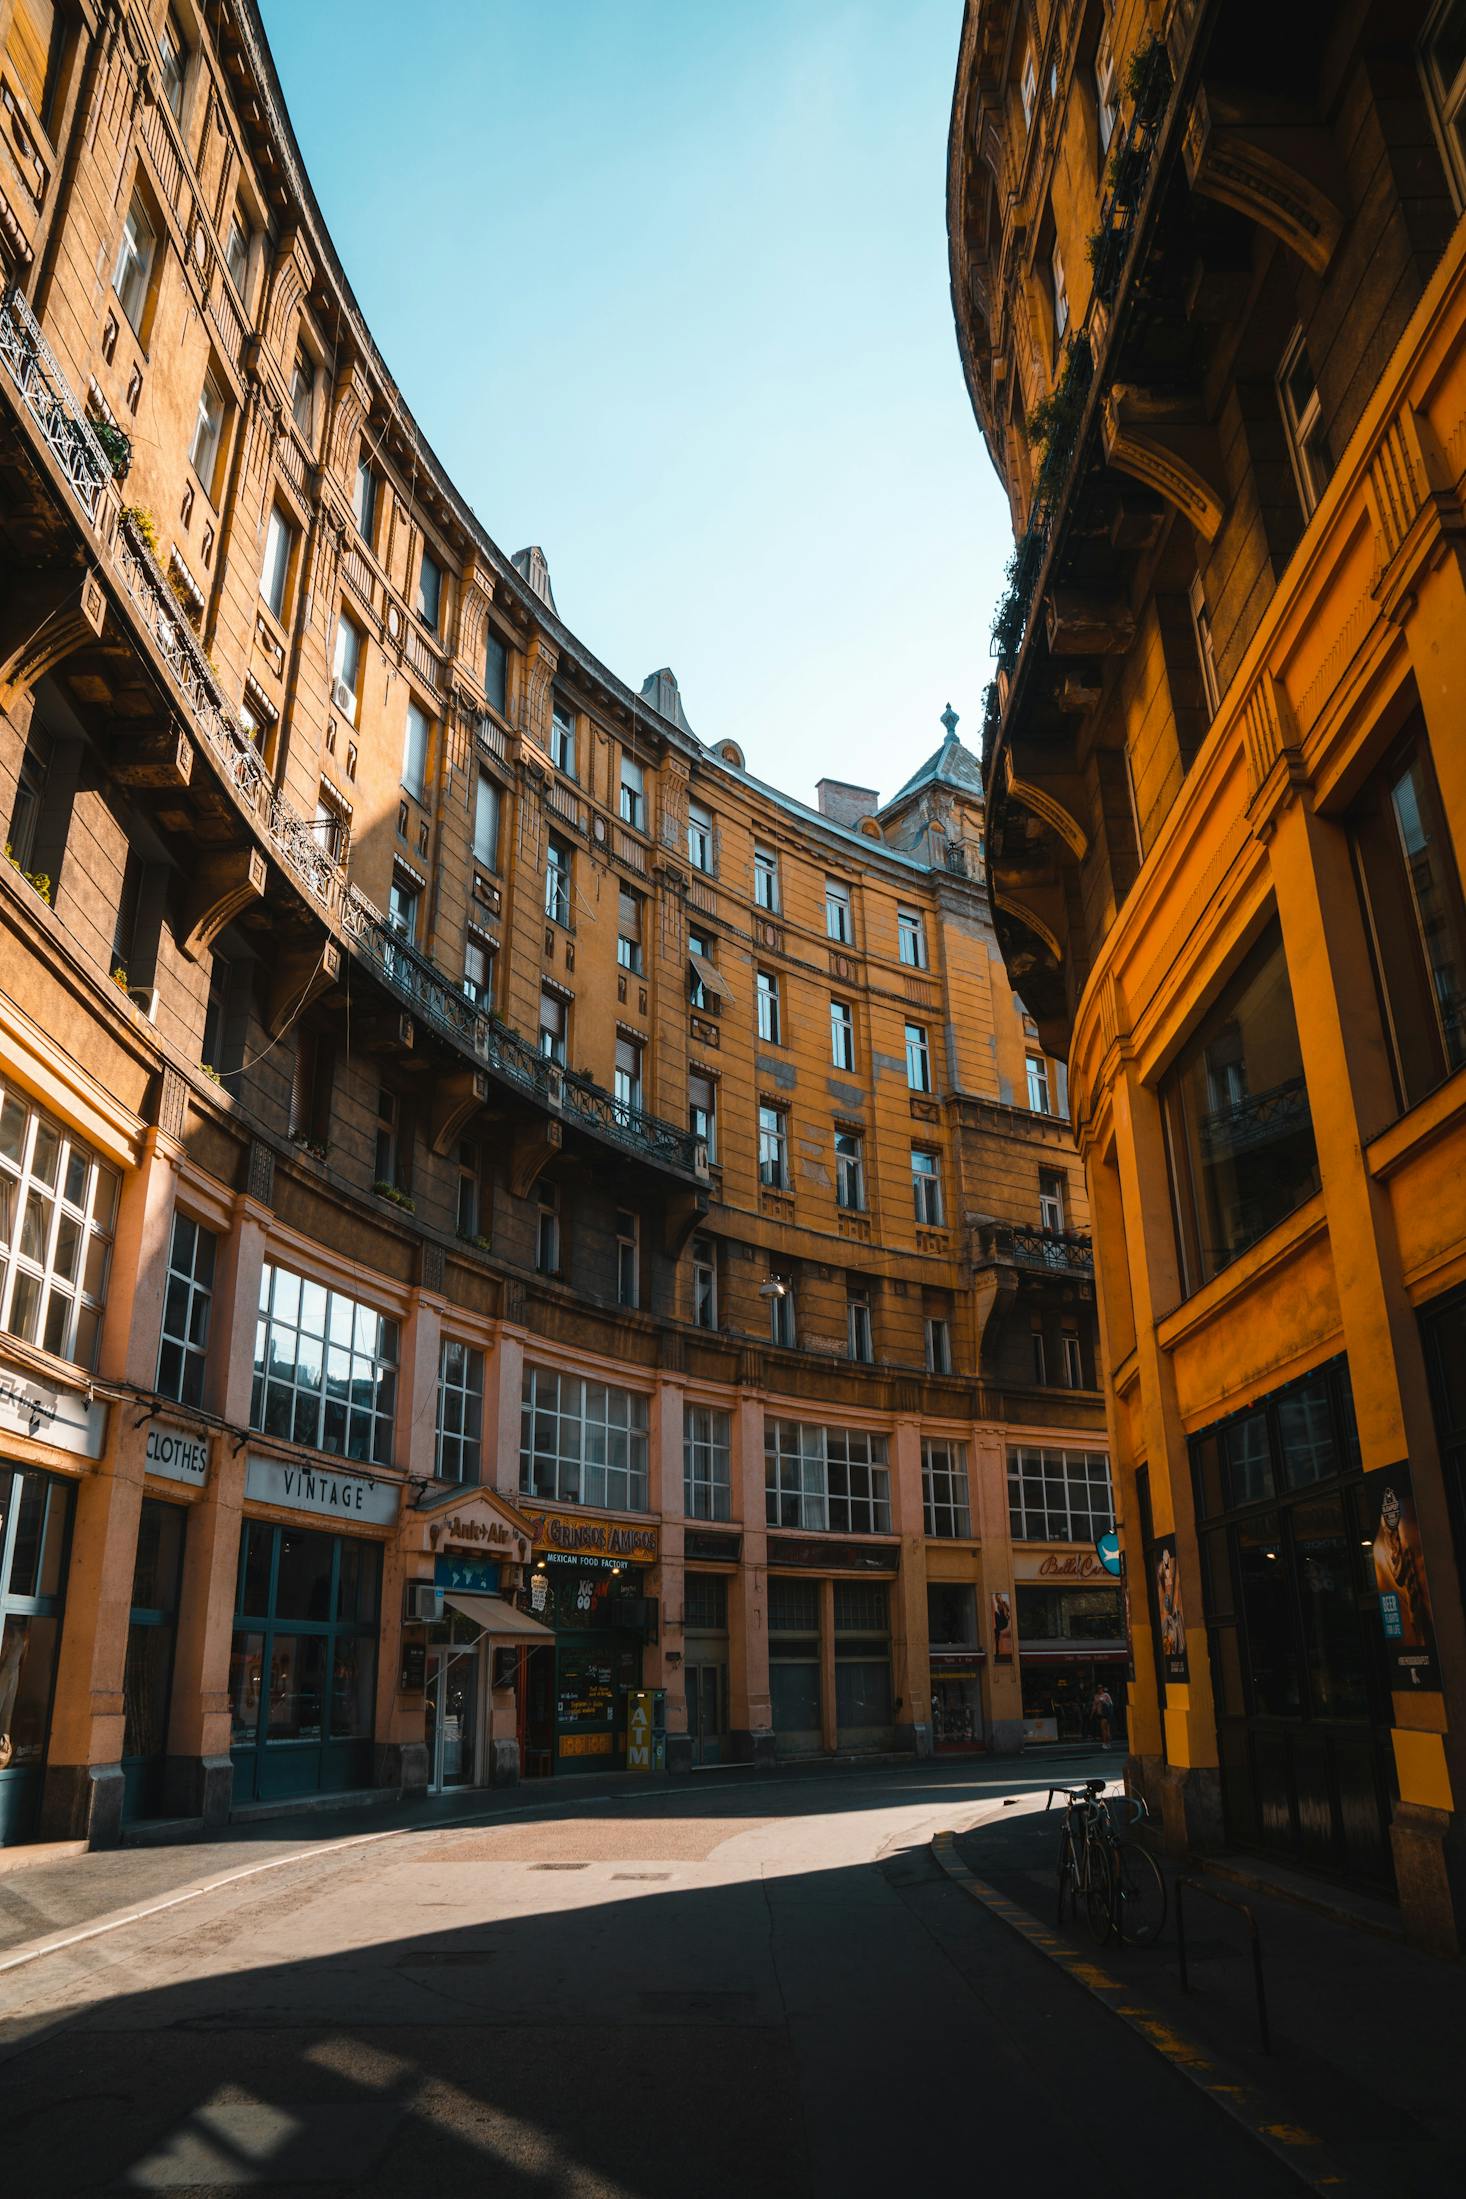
(1119, 1882)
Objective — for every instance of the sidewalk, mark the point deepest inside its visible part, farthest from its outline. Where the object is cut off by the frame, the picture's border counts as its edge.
(1366, 2034)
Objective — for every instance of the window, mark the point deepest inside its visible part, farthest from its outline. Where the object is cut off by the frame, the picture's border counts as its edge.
(839, 921)
(707, 1471)
(402, 907)
(554, 1021)
(766, 986)
(33, 48)
(826, 1478)
(496, 673)
(236, 251)
(1443, 58)
(364, 498)
(946, 1510)
(562, 740)
(633, 794)
(557, 882)
(303, 392)
(1205, 657)
(1038, 1084)
(208, 428)
(702, 1112)
(1239, 1135)
(918, 1058)
(781, 1312)
(842, 1034)
(346, 668)
(699, 837)
(58, 1207)
(627, 1078)
(1040, 1355)
(187, 1298)
(850, 1171)
(1106, 93)
(486, 822)
(429, 591)
(1050, 1199)
(773, 1157)
(628, 1257)
(1073, 1359)
(1060, 295)
(279, 549)
(911, 938)
(325, 1371)
(926, 1187)
(858, 1328)
(704, 1283)
(478, 970)
(172, 62)
(330, 825)
(937, 1343)
(134, 268)
(703, 988)
(766, 879)
(393, 1150)
(1416, 922)
(460, 1412)
(705, 1602)
(1028, 86)
(582, 1442)
(1303, 424)
(547, 1228)
(628, 931)
(30, 800)
(1058, 1496)
(415, 751)
(469, 1215)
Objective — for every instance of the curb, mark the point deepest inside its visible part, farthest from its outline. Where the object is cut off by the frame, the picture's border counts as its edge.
(1294, 2148)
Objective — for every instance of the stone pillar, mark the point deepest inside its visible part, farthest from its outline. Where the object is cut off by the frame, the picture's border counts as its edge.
(666, 1664)
(503, 1395)
(1002, 1685)
(829, 1720)
(133, 1323)
(750, 1712)
(399, 1754)
(910, 1642)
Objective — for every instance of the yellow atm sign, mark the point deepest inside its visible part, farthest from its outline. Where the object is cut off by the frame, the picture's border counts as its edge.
(639, 1731)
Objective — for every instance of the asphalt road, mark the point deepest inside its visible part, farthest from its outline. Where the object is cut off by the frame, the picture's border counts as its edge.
(730, 1987)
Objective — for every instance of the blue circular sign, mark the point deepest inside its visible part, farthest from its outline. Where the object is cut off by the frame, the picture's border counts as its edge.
(1107, 1550)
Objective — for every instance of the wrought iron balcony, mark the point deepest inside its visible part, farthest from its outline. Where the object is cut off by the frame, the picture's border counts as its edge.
(407, 974)
(1257, 1120)
(1012, 1244)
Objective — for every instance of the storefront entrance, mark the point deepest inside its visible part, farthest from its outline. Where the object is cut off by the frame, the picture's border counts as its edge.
(303, 1673)
(955, 1655)
(707, 1713)
(35, 1530)
(451, 1706)
(152, 1633)
(576, 1696)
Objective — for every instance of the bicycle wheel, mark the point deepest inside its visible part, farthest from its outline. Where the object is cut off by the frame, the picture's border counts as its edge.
(1140, 1895)
(1068, 1888)
(1099, 1888)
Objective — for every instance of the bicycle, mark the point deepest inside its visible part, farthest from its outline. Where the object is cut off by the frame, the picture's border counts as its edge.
(1121, 1884)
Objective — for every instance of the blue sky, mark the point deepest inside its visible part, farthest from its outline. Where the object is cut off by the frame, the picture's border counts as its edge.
(665, 283)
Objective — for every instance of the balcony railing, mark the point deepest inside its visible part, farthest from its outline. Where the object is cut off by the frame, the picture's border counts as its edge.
(1059, 1251)
(409, 975)
(1259, 1119)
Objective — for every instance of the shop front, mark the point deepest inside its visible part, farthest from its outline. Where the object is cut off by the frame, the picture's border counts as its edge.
(1071, 1643)
(591, 1584)
(956, 1659)
(830, 1682)
(177, 1460)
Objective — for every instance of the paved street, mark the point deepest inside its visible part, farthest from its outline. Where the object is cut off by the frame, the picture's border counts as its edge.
(731, 1986)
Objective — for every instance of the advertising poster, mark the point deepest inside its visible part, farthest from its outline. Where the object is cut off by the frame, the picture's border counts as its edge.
(1002, 1626)
(1170, 1614)
(1399, 1578)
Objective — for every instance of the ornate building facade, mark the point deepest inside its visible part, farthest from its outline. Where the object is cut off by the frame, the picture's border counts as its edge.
(500, 1209)
(1209, 279)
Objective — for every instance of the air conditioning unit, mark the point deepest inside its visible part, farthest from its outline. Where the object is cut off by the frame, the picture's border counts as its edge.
(423, 1604)
(344, 698)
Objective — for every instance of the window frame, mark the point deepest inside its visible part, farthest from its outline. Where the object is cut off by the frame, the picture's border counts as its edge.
(620, 1417)
(946, 1490)
(466, 1440)
(911, 932)
(849, 1170)
(926, 1188)
(1303, 429)
(75, 1280)
(839, 912)
(773, 1146)
(702, 839)
(132, 267)
(707, 1462)
(343, 1320)
(918, 1057)
(769, 1006)
(281, 534)
(842, 1034)
(766, 880)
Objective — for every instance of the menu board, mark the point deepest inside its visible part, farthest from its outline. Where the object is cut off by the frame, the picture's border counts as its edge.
(585, 1695)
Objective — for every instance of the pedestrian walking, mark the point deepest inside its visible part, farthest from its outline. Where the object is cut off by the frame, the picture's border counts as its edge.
(1102, 1711)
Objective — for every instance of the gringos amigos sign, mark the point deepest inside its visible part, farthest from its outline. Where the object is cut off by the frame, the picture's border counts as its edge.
(600, 1538)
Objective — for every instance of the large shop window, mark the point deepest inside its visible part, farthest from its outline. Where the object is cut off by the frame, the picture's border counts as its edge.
(1417, 924)
(35, 1522)
(325, 1369)
(1238, 1130)
(303, 1674)
(582, 1442)
(794, 1666)
(707, 1476)
(58, 1208)
(460, 1411)
(819, 1478)
(864, 1717)
(944, 1488)
(1288, 1589)
(1058, 1496)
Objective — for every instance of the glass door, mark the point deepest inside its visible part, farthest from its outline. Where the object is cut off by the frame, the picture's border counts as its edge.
(706, 1701)
(152, 1631)
(451, 1711)
(35, 1518)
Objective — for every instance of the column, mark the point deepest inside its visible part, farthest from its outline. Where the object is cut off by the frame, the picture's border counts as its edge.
(750, 1711)
(1002, 1684)
(829, 1722)
(666, 1664)
(911, 1651)
(399, 1754)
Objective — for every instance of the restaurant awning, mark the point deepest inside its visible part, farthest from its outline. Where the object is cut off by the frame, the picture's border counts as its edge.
(499, 1619)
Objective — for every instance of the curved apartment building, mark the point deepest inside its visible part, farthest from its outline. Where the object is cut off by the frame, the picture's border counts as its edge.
(500, 1209)
(1209, 279)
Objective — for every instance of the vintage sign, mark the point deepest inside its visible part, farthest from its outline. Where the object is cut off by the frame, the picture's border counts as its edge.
(328, 1490)
(602, 1538)
(492, 1534)
(1056, 1565)
(177, 1456)
(66, 1419)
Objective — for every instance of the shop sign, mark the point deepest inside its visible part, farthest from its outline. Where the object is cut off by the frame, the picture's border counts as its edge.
(176, 1455)
(585, 1744)
(491, 1534)
(413, 1676)
(472, 1575)
(602, 1538)
(706, 1543)
(65, 1419)
(1068, 1565)
(1399, 1578)
(834, 1557)
(322, 1489)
